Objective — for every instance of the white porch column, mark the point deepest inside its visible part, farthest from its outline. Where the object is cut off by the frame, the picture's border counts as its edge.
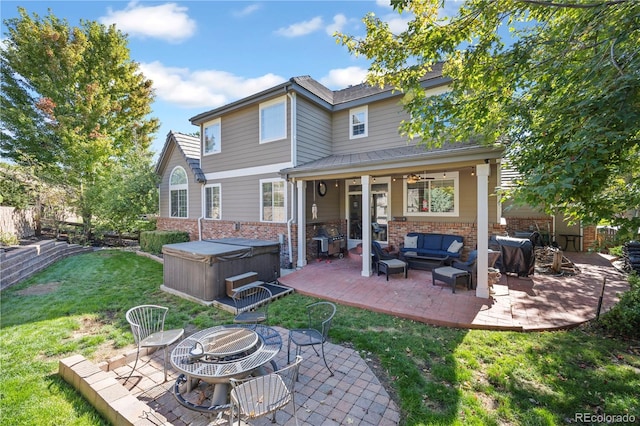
(483, 171)
(302, 223)
(366, 225)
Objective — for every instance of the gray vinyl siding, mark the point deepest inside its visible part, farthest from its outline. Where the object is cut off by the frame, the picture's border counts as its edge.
(383, 120)
(241, 197)
(194, 195)
(314, 132)
(240, 144)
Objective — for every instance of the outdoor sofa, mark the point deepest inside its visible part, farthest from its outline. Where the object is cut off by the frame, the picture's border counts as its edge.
(441, 246)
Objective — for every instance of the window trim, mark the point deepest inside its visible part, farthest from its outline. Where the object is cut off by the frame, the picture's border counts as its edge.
(260, 202)
(455, 176)
(178, 187)
(204, 201)
(216, 122)
(353, 111)
(266, 105)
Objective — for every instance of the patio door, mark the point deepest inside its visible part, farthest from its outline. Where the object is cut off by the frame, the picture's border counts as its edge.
(379, 210)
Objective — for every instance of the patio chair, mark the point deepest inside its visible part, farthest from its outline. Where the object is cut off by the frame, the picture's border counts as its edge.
(147, 326)
(252, 305)
(261, 395)
(469, 265)
(385, 263)
(320, 315)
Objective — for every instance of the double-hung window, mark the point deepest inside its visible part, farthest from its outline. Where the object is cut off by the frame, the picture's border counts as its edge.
(358, 122)
(273, 200)
(432, 195)
(212, 207)
(212, 137)
(178, 190)
(273, 120)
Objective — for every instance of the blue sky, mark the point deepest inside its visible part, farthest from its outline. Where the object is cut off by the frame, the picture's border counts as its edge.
(204, 54)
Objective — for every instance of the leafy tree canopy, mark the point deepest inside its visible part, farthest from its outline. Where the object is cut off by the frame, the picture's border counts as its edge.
(563, 98)
(73, 102)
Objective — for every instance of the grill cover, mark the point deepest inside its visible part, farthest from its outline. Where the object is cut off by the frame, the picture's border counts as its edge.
(517, 256)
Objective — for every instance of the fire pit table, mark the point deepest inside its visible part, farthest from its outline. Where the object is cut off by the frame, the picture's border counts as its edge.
(209, 358)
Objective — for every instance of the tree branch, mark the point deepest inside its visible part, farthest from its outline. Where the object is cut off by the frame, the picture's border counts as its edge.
(613, 59)
(573, 5)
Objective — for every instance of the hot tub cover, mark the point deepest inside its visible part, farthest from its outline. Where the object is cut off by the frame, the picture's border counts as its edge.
(256, 246)
(207, 251)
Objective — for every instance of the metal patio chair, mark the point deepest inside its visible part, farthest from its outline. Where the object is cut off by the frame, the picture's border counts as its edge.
(252, 305)
(320, 315)
(258, 396)
(147, 326)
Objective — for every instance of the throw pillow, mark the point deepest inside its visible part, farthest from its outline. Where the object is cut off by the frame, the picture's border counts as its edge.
(411, 242)
(455, 246)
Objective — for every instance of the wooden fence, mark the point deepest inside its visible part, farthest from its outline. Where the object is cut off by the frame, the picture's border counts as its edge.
(19, 222)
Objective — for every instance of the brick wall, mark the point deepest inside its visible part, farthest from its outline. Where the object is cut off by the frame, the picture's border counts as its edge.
(529, 224)
(213, 229)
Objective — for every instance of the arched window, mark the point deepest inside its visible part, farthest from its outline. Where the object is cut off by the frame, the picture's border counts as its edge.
(178, 185)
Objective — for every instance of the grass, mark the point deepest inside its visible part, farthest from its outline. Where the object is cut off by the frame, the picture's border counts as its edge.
(437, 375)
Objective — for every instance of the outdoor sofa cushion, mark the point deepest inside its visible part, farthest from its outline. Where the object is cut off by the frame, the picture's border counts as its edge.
(435, 245)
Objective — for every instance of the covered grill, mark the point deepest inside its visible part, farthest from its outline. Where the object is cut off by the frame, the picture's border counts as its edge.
(330, 241)
(518, 256)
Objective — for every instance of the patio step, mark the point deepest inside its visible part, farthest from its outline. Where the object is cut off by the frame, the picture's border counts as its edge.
(109, 397)
(18, 264)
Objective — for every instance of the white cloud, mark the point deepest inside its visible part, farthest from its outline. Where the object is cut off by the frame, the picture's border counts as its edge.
(167, 21)
(301, 28)
(344, 77)
(384, 3)
(397, 23)
(339, 21)
(203, 88)
(248, 10)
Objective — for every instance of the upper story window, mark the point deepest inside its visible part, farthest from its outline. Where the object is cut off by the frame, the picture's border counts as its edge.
(178, 191)
(273, 199)
(432, 195)
(212, 140)
(358, 122)
(212, 207)
(273, 120)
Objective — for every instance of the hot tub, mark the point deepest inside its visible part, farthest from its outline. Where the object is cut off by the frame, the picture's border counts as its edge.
(199, 268)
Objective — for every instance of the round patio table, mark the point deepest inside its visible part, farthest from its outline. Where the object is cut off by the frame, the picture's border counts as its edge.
(217, 354)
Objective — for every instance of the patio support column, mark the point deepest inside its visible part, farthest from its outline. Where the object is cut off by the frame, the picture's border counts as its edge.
(302, 223)
(483, 171)
(366, 225)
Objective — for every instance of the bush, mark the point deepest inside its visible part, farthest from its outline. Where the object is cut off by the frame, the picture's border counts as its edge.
(624, 318)
(8, 239)
(152, 241)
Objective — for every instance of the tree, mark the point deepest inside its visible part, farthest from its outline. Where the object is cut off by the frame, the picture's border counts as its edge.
(73, 102)
(132, 192)
(561, 92)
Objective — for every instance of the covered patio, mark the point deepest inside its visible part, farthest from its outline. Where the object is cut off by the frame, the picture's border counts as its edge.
(539, 302)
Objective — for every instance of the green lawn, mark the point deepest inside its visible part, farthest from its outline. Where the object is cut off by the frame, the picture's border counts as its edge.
(438, 375)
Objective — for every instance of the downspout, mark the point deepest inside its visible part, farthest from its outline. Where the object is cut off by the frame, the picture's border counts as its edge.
(291, 213)
(294, 140)
(201, 212)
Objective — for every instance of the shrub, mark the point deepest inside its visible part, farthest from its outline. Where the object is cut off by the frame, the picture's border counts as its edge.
(8, 239)
(624, 318)
(152, 241)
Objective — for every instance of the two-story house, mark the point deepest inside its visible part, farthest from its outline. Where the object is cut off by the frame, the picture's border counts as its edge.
(287, 161)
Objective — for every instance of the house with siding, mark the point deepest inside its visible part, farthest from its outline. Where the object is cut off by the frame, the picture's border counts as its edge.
(285, 162)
